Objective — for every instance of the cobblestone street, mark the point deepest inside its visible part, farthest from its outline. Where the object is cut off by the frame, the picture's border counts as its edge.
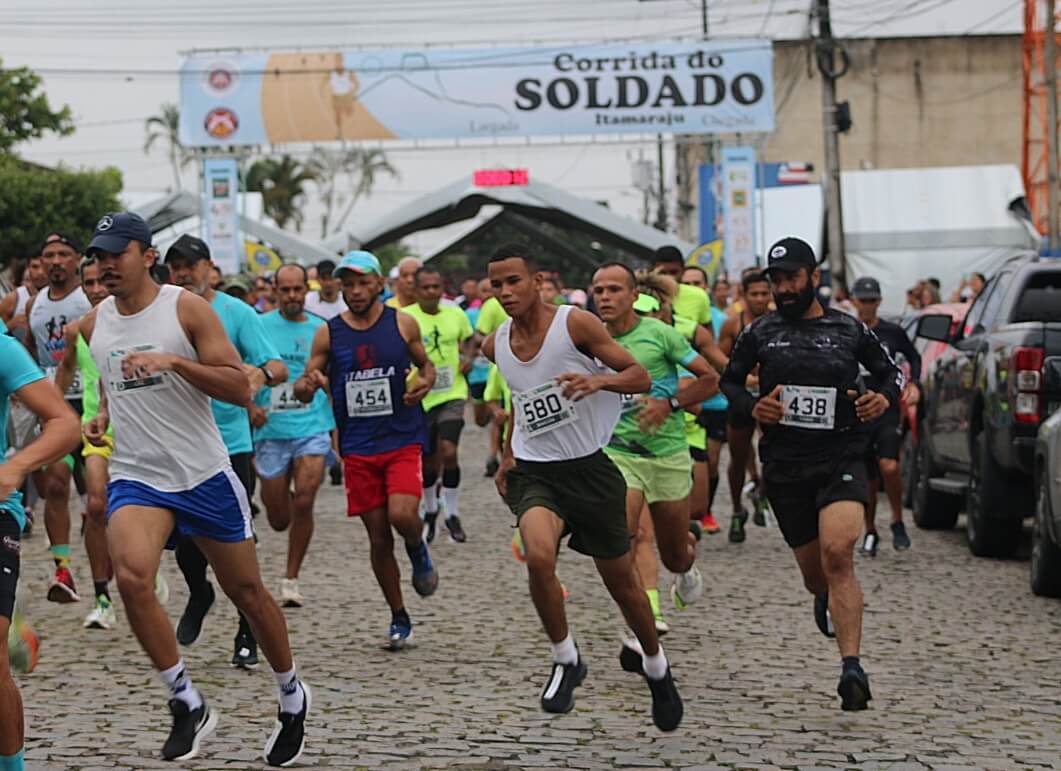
(963, 660)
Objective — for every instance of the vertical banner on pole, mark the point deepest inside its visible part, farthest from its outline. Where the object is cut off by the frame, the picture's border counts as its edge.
(221, 213)
(738, 208)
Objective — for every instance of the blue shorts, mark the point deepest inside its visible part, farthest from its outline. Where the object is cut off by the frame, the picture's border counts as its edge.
(273, 457)
(217, 509)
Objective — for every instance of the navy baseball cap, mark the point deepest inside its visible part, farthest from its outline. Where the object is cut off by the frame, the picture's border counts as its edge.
(59, 237)
(190, 248)
(866, 288)
(114, 232)
(790, 254)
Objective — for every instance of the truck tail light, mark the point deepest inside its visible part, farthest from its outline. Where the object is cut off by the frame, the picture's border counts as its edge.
(1026, 382)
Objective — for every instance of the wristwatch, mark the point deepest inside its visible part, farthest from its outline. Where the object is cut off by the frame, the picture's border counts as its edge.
(675, 405)
(265, 371)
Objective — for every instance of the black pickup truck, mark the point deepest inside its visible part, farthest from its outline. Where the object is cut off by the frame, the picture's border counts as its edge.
(982, 402)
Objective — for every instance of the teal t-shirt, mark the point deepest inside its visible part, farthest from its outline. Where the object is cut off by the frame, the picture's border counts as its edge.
(480, 371)
(718, 402)
(17, 369)
(244, 328)
(288, 418)
(660, 349)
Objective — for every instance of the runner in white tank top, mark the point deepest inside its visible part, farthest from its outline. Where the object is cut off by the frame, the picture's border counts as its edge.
(566, 374)
(162, 355)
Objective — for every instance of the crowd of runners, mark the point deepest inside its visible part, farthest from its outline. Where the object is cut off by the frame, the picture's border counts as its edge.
(167, 402)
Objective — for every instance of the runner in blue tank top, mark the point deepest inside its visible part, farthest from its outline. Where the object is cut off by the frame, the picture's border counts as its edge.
(364, 356)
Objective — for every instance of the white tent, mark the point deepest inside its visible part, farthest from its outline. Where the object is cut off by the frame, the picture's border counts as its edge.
(903, 225)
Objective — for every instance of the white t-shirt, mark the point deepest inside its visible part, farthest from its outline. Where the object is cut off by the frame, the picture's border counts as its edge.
(326, 310)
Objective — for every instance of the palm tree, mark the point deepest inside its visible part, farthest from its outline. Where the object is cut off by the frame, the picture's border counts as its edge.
(282, 183)
(166, 126)
(362, 166)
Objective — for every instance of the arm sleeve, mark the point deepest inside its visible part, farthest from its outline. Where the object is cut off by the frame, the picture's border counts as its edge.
(887, 378)
(253, 344)
(742, 361)
(679, 352)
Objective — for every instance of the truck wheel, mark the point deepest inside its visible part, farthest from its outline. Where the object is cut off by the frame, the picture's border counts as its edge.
(993, 529)
(1046, 556)
(933, 510)
(908, 469)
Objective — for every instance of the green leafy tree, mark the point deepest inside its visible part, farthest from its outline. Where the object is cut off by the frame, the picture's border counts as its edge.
(357, 166)
(24, 109)
(391, 254)
(35, 200)
(165, 127)
(282, 182)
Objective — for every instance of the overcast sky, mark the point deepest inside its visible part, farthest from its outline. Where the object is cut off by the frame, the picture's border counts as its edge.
(115, 61)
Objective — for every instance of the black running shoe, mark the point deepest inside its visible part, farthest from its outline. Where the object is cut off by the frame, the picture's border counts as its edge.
(431, 520)
(245, 652)
(336, 474)
(736, 526)
(854, 689)
(559, 693)
(870, 543)
(190, 727)
(696, 529)
(630, 660)
(456, 532)
(191, 624)
(900, 540)
(821, 615)
(288, 739)
(667, 707)
(492, 465)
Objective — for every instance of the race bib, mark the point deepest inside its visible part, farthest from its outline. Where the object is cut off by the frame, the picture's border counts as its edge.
(443, 379)
(543, 409)
(629, 403)
(282, 399)
(368, 398)
(76, 389)
(809, 407)
(125, 378)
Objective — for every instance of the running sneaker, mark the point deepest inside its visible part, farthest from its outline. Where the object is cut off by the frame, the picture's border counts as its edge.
(760, 504)
(667, 707)
(710, 524)
(870, 543)
(662, 627)
(425, 577)
(27, 530)
(288, 739)
(696, 529)
(400, 633)
(736, 526)
(492, 465)
(430, 523)
(630, 657)
(854, 689)
(900, 540)
(190, 625)
(23, 644)
(517, 547)
(102, 615)
(244, 652)
(61, 589)
(161, 589)
(687, 589)
(822, 617)
(559, 693)
(290, 596)
(190, 727)
(456, 531)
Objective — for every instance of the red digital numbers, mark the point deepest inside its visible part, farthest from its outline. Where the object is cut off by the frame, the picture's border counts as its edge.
(500, 177)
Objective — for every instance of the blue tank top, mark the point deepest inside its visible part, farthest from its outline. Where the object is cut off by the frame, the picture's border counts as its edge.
(366, 375)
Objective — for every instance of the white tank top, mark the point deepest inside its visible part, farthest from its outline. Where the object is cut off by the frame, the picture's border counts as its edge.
(22, 296)
(164, 430)
(48, 319)
(549, 427)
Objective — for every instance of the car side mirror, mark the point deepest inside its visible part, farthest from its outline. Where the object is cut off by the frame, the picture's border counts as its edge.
(935, 326)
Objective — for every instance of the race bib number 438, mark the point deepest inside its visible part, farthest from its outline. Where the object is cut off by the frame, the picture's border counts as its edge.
(543, 409)
(809, 407)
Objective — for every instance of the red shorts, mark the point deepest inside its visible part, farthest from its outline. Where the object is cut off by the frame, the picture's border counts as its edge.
(370, 479)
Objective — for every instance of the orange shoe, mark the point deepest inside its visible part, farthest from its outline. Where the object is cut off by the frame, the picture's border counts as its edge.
(709, 524)
(517, 547)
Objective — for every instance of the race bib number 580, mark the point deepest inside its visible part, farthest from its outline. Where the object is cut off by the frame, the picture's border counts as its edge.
(809, 407)
(543, 409)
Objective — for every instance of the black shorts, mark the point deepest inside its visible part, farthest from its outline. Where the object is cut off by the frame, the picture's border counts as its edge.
(797, 503)
(714, 422)
(885, 439)
(698, 455)
(10, 549)
(588, 494)
(476, 390)
(444, 421)
(739, 420)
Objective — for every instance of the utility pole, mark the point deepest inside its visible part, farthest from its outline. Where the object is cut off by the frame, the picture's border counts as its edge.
(1051, 136)
(661, 211)
(826, 59)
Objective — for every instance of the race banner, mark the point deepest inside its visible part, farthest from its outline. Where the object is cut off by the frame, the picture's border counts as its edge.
(738, 208)
(221, 213)
(230, 99)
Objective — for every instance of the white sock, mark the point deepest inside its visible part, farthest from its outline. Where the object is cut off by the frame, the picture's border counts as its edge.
(655, 666)
(431, 500)
(180, 685)
(291, 694)
(450, 496)
(565, 652)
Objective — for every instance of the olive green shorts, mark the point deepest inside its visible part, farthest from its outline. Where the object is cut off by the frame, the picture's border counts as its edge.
(588, 494)
(669, 478)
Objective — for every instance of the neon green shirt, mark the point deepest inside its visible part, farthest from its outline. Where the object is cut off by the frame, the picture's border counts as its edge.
(90, 384)
(443, 332)
(660, 349)
(497, 390)
(692, 303)
(491, 316)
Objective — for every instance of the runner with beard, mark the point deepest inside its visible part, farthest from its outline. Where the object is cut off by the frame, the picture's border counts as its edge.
(817, 420)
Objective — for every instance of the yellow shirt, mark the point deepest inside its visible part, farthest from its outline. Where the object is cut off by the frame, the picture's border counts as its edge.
(491, 316)
(692, 303)
(394, 302)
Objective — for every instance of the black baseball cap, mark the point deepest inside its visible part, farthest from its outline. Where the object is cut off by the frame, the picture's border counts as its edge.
(866, 288)
(114, 232)
(667, 254)
(58, 237)
(189, 248)
(790, 254)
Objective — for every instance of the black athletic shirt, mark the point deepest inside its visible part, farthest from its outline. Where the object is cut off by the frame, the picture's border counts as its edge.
(824, 351)
(895, 341)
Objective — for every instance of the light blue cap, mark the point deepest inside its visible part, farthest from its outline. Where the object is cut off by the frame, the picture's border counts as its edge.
(359, 262)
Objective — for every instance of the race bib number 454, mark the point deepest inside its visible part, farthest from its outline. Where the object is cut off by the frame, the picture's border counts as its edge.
(368, 398)
(543, 409)
(809, 407)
